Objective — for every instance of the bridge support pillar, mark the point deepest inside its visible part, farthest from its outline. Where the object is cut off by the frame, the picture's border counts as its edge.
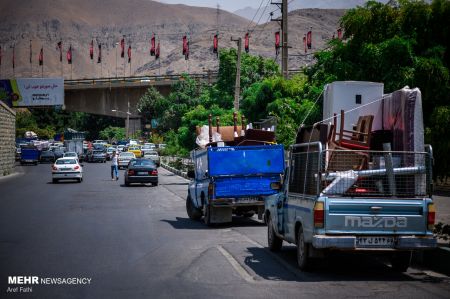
(135, 126)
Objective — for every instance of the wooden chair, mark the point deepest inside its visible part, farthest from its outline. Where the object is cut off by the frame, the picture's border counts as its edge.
(344, 157)
(358, 139)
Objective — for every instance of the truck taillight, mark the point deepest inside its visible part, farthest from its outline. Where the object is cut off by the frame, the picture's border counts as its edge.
(431, 216)
(210, 190)
(319, 215)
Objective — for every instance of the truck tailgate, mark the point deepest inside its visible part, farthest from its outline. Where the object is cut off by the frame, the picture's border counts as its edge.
(244, 186)
(375, 216)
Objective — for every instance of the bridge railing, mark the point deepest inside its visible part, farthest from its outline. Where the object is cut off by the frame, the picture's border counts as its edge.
(140, 79)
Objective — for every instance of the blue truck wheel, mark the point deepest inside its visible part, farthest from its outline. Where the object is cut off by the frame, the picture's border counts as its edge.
(273, 240)
(192, 211)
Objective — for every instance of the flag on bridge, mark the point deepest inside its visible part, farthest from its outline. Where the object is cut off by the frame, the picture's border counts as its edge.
(216, 44)
(69, 55)
(91, 50)
(246, 43)
(152, 46)
(185, 45)
(99, 60)
(129, 54)
(59, 45)
(339, 32)
(122, 46)
(186, 54)
(157, 52)
(277, 43)
(309, 39)
(41, 56)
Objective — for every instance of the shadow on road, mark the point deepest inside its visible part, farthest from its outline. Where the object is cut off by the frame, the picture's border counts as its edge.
(186, 223)
(175, 184)
(336, 267)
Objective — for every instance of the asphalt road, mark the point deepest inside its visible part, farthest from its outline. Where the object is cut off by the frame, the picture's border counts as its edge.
(137, 242)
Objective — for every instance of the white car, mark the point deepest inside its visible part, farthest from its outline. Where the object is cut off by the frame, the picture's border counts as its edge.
(67, 169)
(153, 155)
(125, 158)
(70, 155)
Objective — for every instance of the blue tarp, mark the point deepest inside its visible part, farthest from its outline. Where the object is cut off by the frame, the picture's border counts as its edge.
(246, 160)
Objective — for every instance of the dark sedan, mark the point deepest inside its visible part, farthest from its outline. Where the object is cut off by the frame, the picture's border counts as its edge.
(141, 171)
(47, 156)
(97, 156)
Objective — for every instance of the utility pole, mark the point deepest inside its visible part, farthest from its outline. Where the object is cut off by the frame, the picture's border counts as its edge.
(284, 29)
(237, 87)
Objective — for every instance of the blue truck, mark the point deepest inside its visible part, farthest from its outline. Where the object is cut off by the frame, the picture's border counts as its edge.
(370, 193)
(29, 155)
(233, 180)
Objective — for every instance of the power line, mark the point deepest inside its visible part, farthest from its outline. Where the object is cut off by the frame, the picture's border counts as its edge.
(256, 13)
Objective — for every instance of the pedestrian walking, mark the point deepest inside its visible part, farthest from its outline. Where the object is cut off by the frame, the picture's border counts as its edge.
(114, 167)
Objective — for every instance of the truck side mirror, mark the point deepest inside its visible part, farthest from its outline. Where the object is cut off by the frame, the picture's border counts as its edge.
(191, 173)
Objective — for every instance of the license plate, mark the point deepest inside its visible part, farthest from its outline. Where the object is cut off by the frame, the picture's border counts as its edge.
(375, 242)
(65, 169)
(142, 173)
(247, 199)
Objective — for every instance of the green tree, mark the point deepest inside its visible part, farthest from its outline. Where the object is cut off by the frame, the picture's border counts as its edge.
(112, 133)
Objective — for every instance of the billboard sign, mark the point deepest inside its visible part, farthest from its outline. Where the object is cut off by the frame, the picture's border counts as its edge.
(32, 92)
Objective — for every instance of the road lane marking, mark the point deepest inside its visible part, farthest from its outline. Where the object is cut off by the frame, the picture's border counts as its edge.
(235, 264)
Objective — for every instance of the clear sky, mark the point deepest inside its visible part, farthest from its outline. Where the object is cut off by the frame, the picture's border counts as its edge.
(230, 5)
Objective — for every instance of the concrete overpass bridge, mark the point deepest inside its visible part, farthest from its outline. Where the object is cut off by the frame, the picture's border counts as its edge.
(102, 96)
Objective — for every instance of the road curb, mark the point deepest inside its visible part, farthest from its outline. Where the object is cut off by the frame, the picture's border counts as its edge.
(16, 172)
(175, 171)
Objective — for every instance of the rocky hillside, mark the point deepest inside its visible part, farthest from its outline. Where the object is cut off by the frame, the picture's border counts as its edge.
(76, 23)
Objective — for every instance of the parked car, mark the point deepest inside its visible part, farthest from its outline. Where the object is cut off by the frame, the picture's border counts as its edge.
(67, 169)
(97, 156)
(47, 156)
(125, 158)
(135, 150)
(141, 171)
(153, 155)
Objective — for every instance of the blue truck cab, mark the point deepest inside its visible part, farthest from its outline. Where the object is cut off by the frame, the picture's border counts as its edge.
(233, 180)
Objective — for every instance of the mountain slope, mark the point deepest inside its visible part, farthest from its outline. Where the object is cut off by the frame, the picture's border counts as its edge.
(76, 23)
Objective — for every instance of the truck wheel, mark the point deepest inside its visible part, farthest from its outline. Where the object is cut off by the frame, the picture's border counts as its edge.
(207, 217)
(54, 181)
(303, 259)
(400, 261)
(192, 211)
(273, 240)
